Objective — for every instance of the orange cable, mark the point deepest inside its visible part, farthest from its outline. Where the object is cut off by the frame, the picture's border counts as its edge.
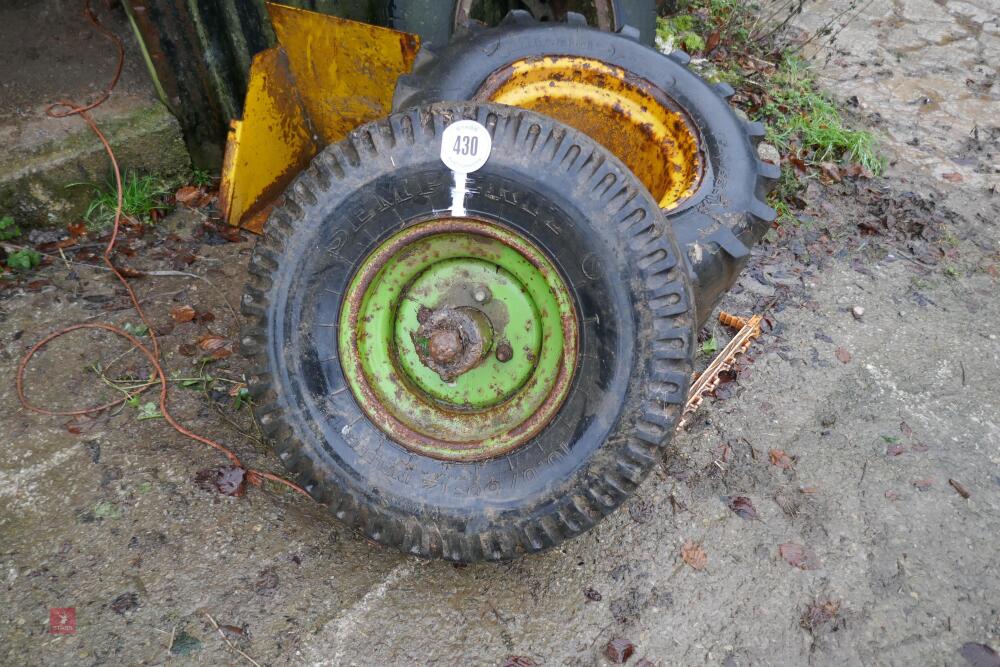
(63, 109)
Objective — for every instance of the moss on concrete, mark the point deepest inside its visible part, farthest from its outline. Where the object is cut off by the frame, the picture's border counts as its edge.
(33, 183)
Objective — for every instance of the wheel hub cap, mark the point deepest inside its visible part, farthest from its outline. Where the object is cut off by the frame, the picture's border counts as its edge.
(458, 338)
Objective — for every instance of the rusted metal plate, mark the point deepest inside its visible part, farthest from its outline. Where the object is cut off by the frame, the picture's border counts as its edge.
(345, 71)
(265, 150)
(326, 77)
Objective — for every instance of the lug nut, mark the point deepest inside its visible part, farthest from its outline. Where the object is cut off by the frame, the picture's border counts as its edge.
(481, 294)
(504, 352)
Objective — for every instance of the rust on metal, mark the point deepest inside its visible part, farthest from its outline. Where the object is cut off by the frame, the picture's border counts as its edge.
(326, 76)
(628, 115)
(452, 341)
(709, 379)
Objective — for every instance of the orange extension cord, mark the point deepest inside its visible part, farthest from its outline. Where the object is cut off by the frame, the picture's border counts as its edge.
(63, 109)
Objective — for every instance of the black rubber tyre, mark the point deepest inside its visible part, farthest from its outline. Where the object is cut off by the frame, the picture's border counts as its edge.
(434, 20)
(606, 236)
(726, 216)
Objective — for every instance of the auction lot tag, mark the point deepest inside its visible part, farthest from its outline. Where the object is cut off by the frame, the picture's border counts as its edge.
(465, 147)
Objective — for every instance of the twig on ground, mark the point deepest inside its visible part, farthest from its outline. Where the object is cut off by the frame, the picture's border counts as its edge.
(229, 643)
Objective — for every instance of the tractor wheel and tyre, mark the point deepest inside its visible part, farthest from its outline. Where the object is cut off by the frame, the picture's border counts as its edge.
(437, 21)
(674, 130)
(469, 385)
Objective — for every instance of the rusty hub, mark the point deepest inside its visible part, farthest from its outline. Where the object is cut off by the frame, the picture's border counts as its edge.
(457, 339)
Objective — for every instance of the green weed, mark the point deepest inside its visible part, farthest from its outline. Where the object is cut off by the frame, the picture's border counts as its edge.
(8, 229)
(23, 260)
(201, 177)
(142, 196)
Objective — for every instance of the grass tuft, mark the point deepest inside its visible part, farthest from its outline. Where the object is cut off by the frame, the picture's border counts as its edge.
(143, 196)
(800, 116)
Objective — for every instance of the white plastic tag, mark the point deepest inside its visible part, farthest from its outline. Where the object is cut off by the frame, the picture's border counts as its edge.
(465, 147)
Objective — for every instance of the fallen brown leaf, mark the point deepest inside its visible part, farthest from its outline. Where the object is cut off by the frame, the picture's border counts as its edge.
(923, 484)
(182, 313)
(217, 347)
(227, 480)
(694, 555)
(741, 506)
(842, 355)
(800, 556)
(191, 195)
(894, 450)
(713, 41)
(831, 171)
(519, 661)
(619, 650)
(820, 613)
(780, 459)
(905, 429)
(952, 176)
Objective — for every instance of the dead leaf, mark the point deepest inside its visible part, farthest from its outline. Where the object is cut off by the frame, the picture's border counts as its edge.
(780, 459)
(80, 424)
(227, 480)
(694, 555)
(905, 429)
(76, 229)
(962, 491)
(592, 595)
(820, 613)
(712, 41)
(182, 313)
(842, 355)
(217, 347)
(809, 490)
(742, 506)
(979, 655)
(619, 650)
(952, 176)
(923, 484)
(920, 447)
(129, 272)
(188, 194)
(519, 661)
(800, 556)
(831, 171)
(894, 450)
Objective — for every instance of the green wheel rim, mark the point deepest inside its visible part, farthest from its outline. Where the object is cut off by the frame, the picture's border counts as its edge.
(458, 338)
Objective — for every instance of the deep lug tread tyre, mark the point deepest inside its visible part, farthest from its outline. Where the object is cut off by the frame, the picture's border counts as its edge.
(725, 217)
(633, 416)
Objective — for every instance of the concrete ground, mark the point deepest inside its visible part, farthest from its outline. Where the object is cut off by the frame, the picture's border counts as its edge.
(878, 415)
(49, 52)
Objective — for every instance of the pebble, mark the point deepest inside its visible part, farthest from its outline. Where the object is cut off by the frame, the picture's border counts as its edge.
(858, 312)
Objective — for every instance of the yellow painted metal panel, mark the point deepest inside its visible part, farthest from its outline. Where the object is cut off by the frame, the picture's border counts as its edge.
(345, 71)
(266, 149)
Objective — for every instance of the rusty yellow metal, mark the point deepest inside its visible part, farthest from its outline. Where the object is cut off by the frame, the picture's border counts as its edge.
(265, 150)
(345, 71)
(326, 77)
(629, 116)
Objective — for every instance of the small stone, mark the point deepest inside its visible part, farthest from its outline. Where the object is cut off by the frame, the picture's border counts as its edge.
(858, 312)
(768, 153)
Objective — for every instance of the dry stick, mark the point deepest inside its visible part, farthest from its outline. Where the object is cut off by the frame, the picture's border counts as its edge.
(229, 643)
(63, 109)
